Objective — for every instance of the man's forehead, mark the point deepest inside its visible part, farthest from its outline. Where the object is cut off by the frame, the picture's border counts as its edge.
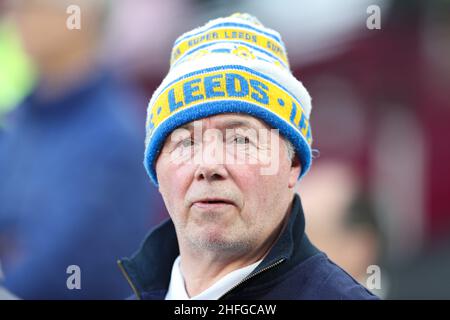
(227, 121)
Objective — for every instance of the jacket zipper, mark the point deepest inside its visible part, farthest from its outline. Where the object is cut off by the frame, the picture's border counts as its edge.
(252, 276)
(125, 273)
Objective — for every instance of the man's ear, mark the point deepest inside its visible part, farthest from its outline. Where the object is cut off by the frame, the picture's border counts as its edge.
(294, 173)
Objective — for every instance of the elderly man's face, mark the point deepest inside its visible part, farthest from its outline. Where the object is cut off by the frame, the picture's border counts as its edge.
(227, 182)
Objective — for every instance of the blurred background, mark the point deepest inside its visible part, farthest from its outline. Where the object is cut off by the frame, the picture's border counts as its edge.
(72, 111)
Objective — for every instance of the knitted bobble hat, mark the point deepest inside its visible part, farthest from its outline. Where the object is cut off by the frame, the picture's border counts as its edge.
(229, 65)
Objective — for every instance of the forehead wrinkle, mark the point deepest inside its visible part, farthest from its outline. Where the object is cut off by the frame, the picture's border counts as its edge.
(225, 124)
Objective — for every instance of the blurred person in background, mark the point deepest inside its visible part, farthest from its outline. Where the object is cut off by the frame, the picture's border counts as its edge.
(342, 220)
(72, 187)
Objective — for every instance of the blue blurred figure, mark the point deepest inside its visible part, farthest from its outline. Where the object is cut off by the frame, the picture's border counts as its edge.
(73, 190)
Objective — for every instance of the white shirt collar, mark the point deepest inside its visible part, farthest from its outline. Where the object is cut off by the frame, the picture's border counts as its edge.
(177, 289)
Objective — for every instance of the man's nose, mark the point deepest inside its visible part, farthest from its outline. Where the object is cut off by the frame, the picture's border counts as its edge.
(211, 160)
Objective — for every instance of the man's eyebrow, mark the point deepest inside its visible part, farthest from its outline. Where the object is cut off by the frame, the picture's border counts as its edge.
(188, 126)
(238, 123)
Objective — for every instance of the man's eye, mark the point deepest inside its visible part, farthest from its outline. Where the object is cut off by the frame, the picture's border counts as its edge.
(186, 143)
(241, 140)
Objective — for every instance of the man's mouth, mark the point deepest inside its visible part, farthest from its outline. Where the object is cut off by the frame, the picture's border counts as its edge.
(211, 203)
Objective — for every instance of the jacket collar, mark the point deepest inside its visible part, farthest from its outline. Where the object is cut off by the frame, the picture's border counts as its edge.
(148, 270)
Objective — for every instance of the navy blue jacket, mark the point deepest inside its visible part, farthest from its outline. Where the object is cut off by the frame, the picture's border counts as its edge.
(293, 269)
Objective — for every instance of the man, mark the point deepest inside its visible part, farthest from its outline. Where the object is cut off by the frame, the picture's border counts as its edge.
(227, 177)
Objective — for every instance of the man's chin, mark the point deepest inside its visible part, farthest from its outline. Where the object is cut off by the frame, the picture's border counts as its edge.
(214, 220)
(212, 238)
(213, 213)
(219, 240)
(213, 233)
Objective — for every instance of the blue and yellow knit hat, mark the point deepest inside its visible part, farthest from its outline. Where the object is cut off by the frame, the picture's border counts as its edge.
(230, 65)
